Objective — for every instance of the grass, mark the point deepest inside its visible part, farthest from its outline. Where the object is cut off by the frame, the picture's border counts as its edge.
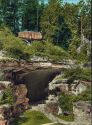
(32, 118)
(69, 118)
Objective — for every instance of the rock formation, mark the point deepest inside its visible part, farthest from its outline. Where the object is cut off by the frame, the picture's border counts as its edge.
(20, 93)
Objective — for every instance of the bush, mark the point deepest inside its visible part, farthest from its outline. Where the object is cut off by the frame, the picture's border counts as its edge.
(46, 49)
(65, 103)
(55, 53)
(77, 74)
(83, 56)
(36, 48)
(7, 97)
(69, 118)
(86, 74)
(13, 45)
(84, 96)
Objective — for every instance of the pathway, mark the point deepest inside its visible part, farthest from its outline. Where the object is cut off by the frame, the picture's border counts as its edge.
(80, 117)
(50, 123)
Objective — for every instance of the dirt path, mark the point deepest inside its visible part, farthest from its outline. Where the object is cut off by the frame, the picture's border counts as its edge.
(54, 119)
(80, 117)
(50, 123)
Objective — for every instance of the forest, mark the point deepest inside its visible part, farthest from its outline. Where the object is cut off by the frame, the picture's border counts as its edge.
(61, 24)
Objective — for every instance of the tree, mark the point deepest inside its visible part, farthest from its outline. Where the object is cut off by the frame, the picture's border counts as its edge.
(53, 25)
(30, 14)
(70, 14)
(21, 14)
(9, 13)
(85, 17)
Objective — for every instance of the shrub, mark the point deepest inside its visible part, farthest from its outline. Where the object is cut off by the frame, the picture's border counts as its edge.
(77, 74)
(46, 49)
(83, 56)
(65, 103)
(86, 74)
(13, 45)
(84, 96)
(36, 48)
(69, 118)
(56, 53)
(7, 97)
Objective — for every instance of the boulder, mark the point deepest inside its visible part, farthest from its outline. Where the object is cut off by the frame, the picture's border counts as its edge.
(20, 90)
(3, 122)
(20, 93)
(52, 108)
(59, 111)
(5, 84)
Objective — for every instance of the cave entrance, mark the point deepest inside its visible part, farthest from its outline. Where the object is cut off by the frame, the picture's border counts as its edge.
(36, 81)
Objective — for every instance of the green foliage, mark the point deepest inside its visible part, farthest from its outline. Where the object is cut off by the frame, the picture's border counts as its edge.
(36, 48)
(84, 96)
(65, 103)
(72, 51)
(25, 12)
(30, 14)
(77, 74)
(86, 74)
(70, 14)
(75, 43)
(16, 48)
(7, 97)
(55, 52)
(9, 10)
(83, 56)
(85, 15)
(53, 25)
(60, 23)
(73, 74)
(13, 45)
(32, 118)
(69, 118)
(47, 50)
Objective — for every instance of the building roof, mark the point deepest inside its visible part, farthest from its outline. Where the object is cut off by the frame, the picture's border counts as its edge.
(30, 35)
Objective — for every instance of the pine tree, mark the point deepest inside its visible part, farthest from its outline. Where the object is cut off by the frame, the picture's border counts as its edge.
(53, 25)
(9, 9)
(30, 14)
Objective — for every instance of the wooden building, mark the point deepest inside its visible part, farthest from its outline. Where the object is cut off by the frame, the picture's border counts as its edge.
(30, 35)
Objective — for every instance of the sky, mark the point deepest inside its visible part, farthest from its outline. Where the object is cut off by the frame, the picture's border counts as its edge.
(70, 1)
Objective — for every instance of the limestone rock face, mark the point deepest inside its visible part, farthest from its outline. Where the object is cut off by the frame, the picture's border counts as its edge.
(20, 92)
